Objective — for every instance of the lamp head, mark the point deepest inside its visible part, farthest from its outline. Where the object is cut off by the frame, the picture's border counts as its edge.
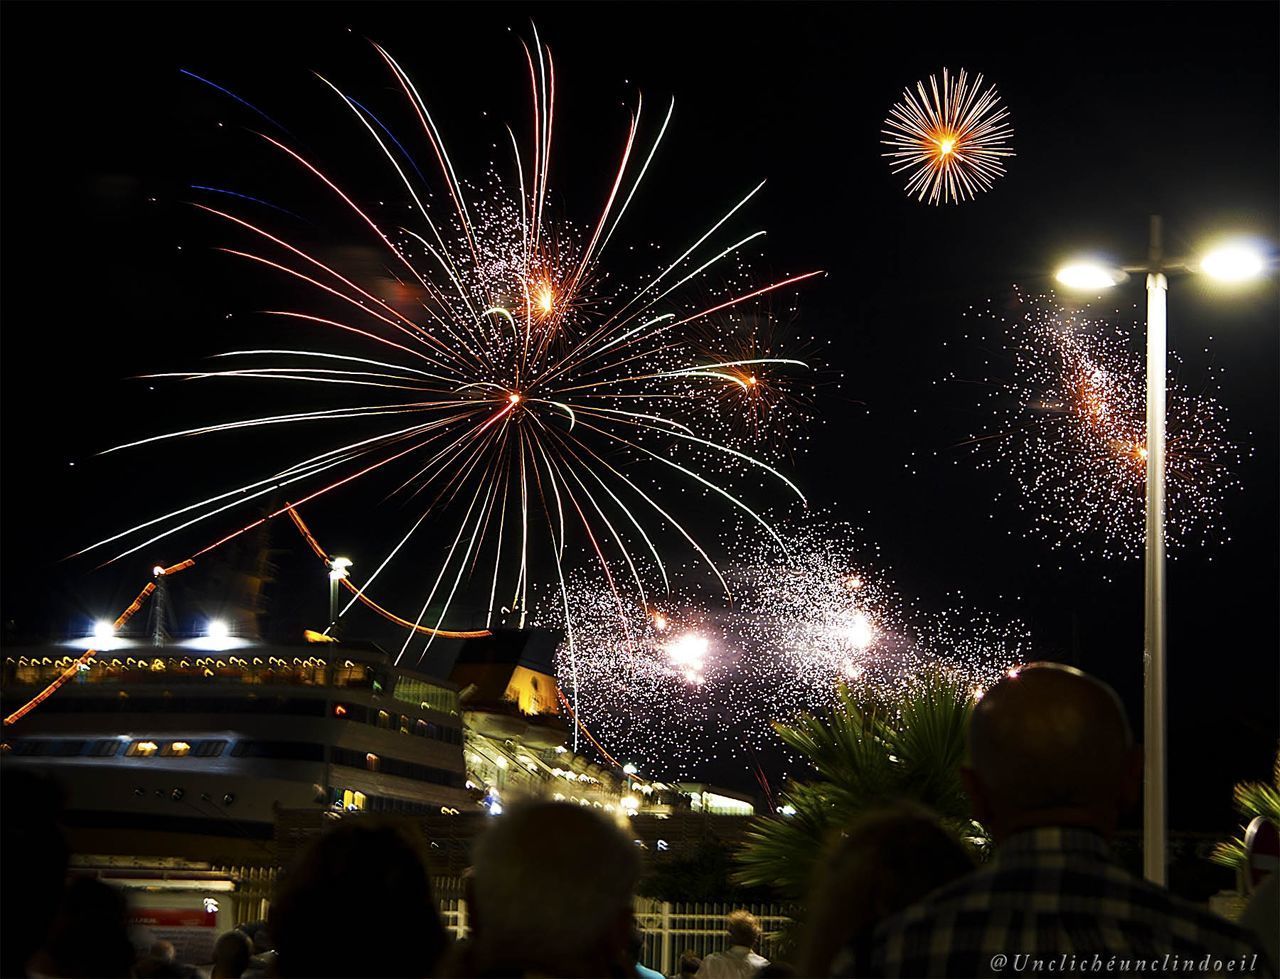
(1233, 263)
(1089, 276)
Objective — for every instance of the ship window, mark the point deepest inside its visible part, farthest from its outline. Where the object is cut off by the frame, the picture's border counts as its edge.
(353, 801)
(384, 719)
(177, 749)
(106, 748)
(428, 696)
(350, 674)
(404, 723)
(142, 749)
(209, 749)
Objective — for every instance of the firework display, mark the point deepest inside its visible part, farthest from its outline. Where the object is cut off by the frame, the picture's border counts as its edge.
(692, 680)
(950, 140)
(522, 396)
(1069, 423)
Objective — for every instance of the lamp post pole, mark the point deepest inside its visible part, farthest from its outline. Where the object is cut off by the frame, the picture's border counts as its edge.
(1227, 263)
(1154, 730)
(337, 572)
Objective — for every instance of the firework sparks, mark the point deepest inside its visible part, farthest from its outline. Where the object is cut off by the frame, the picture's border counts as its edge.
(675, 687)
(520, 390)
(1070, 423)
(950, 140)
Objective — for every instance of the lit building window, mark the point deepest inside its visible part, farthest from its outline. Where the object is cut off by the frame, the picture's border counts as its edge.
(371, 762)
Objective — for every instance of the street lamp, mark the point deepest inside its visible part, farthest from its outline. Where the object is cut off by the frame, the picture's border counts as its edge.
(1230, 263)
(338, 571)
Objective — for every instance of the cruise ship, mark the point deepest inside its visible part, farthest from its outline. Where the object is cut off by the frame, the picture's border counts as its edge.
(193, 748)
(194, 769)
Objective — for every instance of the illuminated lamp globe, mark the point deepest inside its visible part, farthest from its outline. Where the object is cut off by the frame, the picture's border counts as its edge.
(1233, 263)
(1089, 275)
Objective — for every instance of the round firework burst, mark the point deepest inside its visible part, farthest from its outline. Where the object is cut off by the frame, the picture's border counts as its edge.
(1070, 424)
(950, 140)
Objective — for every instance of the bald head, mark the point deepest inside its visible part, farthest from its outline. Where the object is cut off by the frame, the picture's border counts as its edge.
(1050, 745)
(553, 884)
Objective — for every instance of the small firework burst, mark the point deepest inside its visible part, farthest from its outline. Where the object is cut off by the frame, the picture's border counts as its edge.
(1070, 424)
(950, 140)
(762, 401)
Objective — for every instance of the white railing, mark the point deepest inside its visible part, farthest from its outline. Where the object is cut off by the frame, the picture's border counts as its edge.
(671, 928)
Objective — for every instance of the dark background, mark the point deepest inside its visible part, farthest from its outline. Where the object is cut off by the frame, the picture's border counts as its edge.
(1120, 111)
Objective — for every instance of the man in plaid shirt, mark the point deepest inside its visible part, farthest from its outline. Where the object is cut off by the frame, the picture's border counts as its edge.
(1052, 766)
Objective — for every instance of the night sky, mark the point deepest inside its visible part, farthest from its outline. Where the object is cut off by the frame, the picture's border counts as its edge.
(1119, 110)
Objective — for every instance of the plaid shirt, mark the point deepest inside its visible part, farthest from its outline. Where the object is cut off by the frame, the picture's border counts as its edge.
(1054, 902)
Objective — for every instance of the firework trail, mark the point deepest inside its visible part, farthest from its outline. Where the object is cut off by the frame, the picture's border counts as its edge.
(1069, 424)
(950, 140)
(693, 683)
(521, 395)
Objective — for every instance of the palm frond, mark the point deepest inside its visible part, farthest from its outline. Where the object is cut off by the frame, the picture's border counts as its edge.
(865, 751)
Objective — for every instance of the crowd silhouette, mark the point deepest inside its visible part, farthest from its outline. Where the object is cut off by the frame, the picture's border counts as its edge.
(1051, 767)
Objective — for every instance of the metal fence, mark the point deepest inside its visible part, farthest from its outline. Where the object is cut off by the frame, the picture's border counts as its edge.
(671, 928)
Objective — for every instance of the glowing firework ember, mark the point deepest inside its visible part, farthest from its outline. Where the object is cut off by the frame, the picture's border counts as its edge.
(688, 655)
(512, 384)
(950, 140)
(680, 686)
(1070, 422)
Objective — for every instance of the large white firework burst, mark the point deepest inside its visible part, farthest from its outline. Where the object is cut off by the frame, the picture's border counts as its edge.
(496, 375)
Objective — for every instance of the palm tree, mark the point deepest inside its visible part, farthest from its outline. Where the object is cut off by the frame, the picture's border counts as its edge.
(867, 751)
(1252, 799)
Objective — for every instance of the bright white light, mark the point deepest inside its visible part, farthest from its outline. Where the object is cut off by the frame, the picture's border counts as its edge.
(157, 571)
(1233, 263)
(104, 631)
(216, 630)
(630, 803)
(338, 568)
(688, 655)
(1086, 275)
(629, 769)
(861, 633)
